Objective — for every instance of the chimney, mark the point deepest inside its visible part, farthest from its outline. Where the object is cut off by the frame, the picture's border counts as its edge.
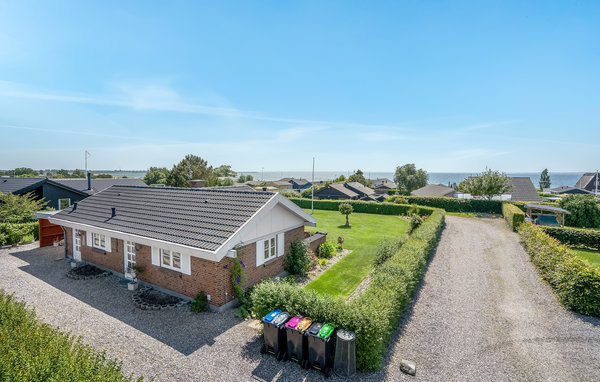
(114, 212)
(89, 176)
(197, 183)
(74, 206)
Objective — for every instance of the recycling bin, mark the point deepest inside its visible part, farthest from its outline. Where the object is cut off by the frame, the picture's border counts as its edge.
(345, 353)
(297, 344)
(274, 332)
(320, 346)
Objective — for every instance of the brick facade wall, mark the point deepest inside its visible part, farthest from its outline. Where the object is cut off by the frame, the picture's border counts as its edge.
(211, 277)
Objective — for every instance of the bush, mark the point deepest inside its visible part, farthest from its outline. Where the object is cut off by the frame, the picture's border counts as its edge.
(361, 207)
(200, 303)
(326, 250)
(297, 262)
(414, 223)
(33, 351)
(577, 237)
(14, 233)
(513, 215)
(290, 194)
(386, 248)
(575, 281)
(413, 210)
(585, 213)
(323, 262)
(374, 315)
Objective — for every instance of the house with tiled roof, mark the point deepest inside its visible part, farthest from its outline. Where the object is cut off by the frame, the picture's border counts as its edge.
(184, 239)
(336, 191)
(359, 188)
(434, 190)
(589, 181)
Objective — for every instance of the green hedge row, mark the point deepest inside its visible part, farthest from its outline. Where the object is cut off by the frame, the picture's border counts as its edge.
(374, 315)
(14, 233)
(576, 282)
(361, 206)
(513, 215)
(578, 237)
(459, 205)
(33, 351)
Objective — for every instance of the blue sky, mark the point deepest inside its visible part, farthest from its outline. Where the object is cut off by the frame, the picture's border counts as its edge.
(450, 86)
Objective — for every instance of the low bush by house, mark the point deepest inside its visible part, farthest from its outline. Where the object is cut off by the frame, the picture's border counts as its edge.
(576, 282)
(14, 233)
(576, 237)
(373, 316)
(360, 206)
(33, 351)
(513, 215)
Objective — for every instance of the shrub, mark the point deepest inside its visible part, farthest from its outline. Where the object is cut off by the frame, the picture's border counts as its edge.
(33, 351)
(326, 250)
(14, 233)
(513, 215)
(361, 206)
(413, 210)
(386, 248)
(577, 237)
(200, 303)
(346, 209)
(585, 213)
(374, 315)
(323, 262)
(290, 193)
(576, 282)
(414, 223)
(297, 262)
(340, 241)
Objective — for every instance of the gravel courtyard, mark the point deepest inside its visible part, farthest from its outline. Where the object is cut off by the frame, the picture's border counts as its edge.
(481, 313)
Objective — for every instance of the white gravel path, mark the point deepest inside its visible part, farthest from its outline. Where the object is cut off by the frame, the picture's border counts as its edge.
(481, 313)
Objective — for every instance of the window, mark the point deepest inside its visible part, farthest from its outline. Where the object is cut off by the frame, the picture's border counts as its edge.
(98, 241)
(64, 203)
(170, 259)
(270, 248)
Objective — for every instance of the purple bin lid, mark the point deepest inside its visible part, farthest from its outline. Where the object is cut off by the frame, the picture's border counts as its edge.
(294, 322)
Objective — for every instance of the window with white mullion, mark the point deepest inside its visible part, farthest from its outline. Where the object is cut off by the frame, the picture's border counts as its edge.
(270, 246)
(98, 240)
(170, 259)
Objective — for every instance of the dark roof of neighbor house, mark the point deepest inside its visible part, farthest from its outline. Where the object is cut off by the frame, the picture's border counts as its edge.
(81, 184)
(587, 181)
(434, 190)
(340, 188)
(359, 187)
(197, 217)
(10, 185)
(523, 190)
(569, 190)
(387, 184)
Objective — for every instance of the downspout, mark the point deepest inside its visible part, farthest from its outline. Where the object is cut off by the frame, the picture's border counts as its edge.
(64, 240)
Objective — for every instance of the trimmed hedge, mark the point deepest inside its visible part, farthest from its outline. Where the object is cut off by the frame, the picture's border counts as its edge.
(360, 206)
(33, 351)
(14, 233)
(374, 315)
(576, 282)
(513, 215)
(577, 237)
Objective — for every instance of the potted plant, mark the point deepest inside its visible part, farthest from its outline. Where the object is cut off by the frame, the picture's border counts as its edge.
(135, 271)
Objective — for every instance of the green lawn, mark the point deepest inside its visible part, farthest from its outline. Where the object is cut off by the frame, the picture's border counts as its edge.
(362, 237)
(589, 255)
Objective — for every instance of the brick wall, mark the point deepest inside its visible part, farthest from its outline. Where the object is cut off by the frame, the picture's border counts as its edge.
(112, 260)
(315, 241)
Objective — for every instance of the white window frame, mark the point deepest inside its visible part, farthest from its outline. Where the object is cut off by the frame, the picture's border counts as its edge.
(101, 241)
(68, 203)
(171, 256)
(269, 248)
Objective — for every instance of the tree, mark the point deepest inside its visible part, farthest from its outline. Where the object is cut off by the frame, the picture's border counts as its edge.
(78, 174)
(23, 171)
(224, 171)
(340, 179)
(585, 213)
(156, 175)
(359, 177)
(487, 184)
(191, 167)
(544, 180)
(19, 208)
(409, 178)
(225, 182)
(63, 173)
(346, 209)
(245, 178)
(103, 176)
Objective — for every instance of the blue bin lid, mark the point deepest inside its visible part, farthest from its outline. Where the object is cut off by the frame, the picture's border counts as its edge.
(269, 317)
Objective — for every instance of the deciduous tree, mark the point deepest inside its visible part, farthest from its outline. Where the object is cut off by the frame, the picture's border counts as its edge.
(487, 184)
(156, 175)
(407, 177)
(191, 167)
(346, 209)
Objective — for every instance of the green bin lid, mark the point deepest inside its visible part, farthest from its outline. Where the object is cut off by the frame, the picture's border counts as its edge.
(326, 331)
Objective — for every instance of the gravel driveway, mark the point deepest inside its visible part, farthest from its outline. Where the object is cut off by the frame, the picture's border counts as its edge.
(481, 313)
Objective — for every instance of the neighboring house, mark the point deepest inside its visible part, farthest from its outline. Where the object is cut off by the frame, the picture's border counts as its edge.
(375, 198)
(336, 191)
(184, 239)
(568, 190)
(298, 184)
(522, 190)
(589, 181)
(359, 188)
(61, 193)
(383, 184)
(435, 190)
(280, 185)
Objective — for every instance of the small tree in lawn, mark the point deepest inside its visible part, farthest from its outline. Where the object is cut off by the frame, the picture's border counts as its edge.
(544, 180)
(346, 209)
(487, 184)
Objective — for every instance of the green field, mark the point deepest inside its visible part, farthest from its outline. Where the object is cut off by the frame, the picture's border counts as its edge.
(362, 237)
(588, 255)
